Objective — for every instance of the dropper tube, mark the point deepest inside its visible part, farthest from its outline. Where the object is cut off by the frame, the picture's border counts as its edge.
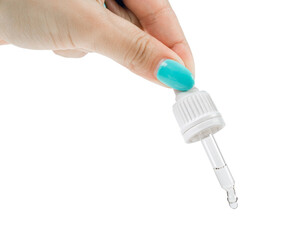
(198, 119)
(221, 169)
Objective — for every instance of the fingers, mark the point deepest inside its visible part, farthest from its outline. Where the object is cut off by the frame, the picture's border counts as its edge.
(160, 21)
(70, 53)
(113, 6)
(138, 51)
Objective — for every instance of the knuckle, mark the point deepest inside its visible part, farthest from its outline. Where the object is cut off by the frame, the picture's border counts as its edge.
(137, 57)
(88, 27)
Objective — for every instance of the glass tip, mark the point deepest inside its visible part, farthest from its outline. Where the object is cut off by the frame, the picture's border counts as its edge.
(232, 198)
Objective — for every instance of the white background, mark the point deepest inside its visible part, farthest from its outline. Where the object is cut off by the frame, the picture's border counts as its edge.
(90, 151)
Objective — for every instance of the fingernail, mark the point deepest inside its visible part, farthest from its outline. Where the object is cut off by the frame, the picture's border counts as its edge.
(175, 75)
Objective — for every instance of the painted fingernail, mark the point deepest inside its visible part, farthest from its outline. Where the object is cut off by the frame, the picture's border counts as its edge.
(175, 75)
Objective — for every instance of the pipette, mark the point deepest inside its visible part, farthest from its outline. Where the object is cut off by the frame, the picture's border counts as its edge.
(199, 119)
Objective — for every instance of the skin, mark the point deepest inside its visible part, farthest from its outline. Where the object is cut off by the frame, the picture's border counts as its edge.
(139, 36)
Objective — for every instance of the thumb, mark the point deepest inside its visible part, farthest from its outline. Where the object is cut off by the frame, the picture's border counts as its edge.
(141, 53)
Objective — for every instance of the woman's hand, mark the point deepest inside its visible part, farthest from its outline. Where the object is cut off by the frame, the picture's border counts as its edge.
(140, 36)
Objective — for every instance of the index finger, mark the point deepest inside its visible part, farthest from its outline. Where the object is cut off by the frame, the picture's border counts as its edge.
(159, 20)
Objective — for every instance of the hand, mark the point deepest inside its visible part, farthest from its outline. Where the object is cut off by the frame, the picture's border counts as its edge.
(139, 36)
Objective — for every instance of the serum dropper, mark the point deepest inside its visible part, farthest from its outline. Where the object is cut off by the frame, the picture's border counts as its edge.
(199, 120)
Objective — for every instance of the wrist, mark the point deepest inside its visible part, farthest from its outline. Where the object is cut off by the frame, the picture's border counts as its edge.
(2, 21)
(2, 42)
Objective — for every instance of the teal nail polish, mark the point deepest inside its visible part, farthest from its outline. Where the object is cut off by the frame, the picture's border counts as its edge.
(104, 5)
(175, 75)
